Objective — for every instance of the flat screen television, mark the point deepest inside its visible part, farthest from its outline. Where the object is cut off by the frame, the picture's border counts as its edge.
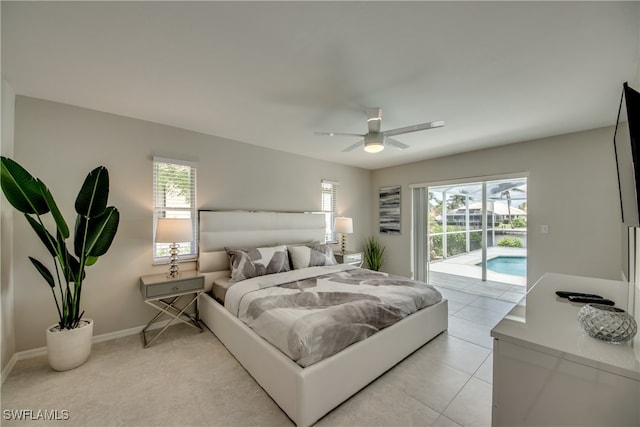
(627, 151)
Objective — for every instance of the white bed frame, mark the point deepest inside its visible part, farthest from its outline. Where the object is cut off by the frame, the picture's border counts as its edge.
(304, 394)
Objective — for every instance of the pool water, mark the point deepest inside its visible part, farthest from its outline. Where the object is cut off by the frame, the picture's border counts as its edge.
(513, 265)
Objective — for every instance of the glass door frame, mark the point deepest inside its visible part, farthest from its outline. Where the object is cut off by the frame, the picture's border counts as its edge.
(419, 235)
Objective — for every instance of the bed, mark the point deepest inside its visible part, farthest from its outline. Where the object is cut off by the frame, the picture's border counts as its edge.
(305, 394)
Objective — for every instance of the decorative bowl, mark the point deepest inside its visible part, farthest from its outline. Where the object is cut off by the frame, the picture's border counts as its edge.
(607, 323)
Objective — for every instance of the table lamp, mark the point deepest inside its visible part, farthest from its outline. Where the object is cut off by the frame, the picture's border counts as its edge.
(173, 230)
(343, 226)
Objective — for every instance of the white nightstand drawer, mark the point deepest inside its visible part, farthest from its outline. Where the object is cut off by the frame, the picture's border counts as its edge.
(348, 258)
(159, 285)
(353, 258)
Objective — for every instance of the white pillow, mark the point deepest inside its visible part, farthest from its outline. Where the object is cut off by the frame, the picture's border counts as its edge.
(311, 255)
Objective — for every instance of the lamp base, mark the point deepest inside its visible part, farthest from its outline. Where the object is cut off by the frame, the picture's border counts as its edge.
(173, 262)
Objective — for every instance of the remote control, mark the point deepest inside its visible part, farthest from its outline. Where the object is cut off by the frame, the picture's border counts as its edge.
(567, 294)
(598, 300)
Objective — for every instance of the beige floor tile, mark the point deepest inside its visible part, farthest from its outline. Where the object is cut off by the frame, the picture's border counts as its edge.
(443, 421)
(380, 404)
(470, 331)
(427, 381)
(479, 315)
(502, 307)
(472, 406)
(512, 296)
(454, 307)
(485, 372)
(235, 399)
(456, 353)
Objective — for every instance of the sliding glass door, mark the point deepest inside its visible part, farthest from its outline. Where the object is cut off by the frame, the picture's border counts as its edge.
(476, 230)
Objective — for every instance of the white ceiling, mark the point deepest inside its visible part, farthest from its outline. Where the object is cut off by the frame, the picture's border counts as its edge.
(271, 73)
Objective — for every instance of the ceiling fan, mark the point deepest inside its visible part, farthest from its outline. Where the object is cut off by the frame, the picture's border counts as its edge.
(375, 140)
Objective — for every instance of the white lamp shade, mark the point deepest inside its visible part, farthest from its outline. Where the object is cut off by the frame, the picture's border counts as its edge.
(173, 230)
(343, 225)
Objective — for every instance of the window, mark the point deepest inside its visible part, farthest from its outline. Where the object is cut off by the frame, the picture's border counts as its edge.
(329, 208)
(174, 196)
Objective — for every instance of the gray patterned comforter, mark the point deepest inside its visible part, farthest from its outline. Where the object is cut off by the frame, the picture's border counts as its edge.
(313, 313)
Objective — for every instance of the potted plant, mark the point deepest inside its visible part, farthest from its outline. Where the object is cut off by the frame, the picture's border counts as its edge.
(373, 254)
(68, 341)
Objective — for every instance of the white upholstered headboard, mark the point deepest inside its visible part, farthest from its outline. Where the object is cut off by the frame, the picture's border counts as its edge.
(220, 229)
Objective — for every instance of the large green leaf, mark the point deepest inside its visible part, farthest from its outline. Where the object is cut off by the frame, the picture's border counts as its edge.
(100, 233)
(79, 232)
(47, 239)
(92, 198)
(61, 224)
(21, 189)
(71, 267)
(68, 263)
(44, 271)
(90, 260)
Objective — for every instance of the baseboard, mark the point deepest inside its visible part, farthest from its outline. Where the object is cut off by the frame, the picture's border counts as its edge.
(7, 369)
(41, 351)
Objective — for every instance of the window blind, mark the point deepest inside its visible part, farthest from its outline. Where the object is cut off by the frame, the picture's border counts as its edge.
(174, 196)
(329, 207)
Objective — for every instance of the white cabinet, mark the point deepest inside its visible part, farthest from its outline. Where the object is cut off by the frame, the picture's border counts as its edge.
(548, 372)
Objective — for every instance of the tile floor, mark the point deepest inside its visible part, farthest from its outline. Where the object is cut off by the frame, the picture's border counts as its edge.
(495, 290)
(189, 379)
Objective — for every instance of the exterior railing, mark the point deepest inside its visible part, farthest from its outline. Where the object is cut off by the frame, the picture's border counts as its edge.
(464, 241)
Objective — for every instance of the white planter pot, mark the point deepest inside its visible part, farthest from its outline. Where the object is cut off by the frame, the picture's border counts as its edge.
(69, 348)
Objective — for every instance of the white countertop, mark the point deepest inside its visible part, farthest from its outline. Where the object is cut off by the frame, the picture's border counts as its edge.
(544, 322)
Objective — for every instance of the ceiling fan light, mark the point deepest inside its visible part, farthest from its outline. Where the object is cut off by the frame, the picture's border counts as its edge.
(373, 147)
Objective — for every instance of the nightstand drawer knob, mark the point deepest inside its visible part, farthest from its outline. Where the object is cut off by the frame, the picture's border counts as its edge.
(176, 288)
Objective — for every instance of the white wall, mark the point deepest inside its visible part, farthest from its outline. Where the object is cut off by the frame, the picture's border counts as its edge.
(60, 144)
(572, 188)
(8, 342)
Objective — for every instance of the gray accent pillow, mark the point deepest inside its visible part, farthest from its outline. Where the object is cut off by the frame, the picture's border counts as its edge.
(246, 263)
(311, 255)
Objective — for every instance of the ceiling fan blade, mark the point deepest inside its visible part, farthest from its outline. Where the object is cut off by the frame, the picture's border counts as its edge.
(414, 128)
(338, 134)
(399, 145)
(374, 118)
(354, 146)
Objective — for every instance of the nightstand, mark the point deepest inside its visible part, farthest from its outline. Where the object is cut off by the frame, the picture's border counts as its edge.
(349, 257)
(163, 292)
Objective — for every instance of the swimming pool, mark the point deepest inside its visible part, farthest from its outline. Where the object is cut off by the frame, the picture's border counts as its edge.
(513, 265)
